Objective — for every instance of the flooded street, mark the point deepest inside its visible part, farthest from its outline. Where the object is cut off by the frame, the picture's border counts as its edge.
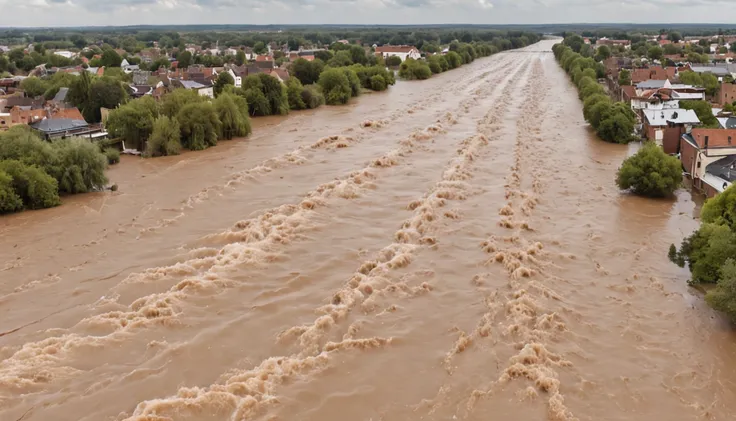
(454, 248)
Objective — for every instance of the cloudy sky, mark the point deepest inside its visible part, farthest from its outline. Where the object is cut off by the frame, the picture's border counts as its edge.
(136, 12)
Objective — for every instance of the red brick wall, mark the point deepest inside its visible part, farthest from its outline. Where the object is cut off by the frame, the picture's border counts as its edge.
(671, 139)
(727, 93)
(687, 156)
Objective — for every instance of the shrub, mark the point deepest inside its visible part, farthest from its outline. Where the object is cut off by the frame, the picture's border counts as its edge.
(366, 73)
(650, 172)
(21, 144)
(81, 166)
(35, 188)
(414, 70)
(453, 60)
(312, 96)
(434, 64)
(165, 138)
(335, 86)
(378, 83)
(113, 155)
(9, 199)
(393, 61)
(200, 125)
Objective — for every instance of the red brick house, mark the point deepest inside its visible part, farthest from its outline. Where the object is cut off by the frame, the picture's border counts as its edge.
(727, 94)
(708, 156)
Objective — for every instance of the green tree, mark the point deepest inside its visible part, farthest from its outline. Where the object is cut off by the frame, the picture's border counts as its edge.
(357, 54)
(110, 58)
(175, 100)
(35, 188)
(294, 90)
(341, 59)
(133, 122)
(256, 100)
(307, 72)
(602, 53)
(378, 83)
(223, 79)
(710, 83)
(703, 111)
(79, 92)
(164, 139)
(80, 167)
(336, 86)
(323, 55)
(650, 172)
(355, 85)
(240, 57)
(414, 70)
(184, 59)
(453, 60)
(393, 61)
(675, 37)
(617, 124)
(691, 78)
(721, 209)
(312, 96)
(105, 92)
(34, 86)
(723, 296)
(199, 125)
(232, 111)
(259, 48)
(655, 53)
(624, 77)
(9, 199)
(706, 251)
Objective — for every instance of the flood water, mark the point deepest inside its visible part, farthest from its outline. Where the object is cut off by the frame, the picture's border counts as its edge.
(450, 249)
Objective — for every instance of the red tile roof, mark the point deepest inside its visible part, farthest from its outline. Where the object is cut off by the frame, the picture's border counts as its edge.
(71, 113)
(264, 58)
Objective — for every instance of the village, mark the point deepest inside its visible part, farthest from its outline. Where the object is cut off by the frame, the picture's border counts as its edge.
(685, 106)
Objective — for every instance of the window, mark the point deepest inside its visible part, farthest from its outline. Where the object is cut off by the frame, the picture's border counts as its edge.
(699, 164)
(729, 140)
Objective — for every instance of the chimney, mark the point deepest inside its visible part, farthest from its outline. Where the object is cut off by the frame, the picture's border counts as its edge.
(706, 142)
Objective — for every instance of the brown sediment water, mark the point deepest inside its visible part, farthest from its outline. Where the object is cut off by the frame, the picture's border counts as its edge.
(449, 249)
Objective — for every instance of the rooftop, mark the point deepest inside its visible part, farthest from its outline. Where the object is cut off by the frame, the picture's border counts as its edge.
(675, 116)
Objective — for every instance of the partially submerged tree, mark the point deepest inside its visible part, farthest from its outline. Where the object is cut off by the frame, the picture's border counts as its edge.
(650, 172)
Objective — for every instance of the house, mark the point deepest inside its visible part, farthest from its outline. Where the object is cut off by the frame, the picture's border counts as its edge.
(727, 94)
(201, 88)
(71, 113)
(26, 115)
(401, 51)
(613, 42)
(265, 62)
(719, 71)
(700, 149)
(230, 52)
(653, 99)
(666, 126)
(4, 49)
(653, 73)
(66, 54)
(727, 122)
(19, 101)
(129, 68)
(53, 128)
(137, 91)
(59, 99)
(280, 74)
(343, 41)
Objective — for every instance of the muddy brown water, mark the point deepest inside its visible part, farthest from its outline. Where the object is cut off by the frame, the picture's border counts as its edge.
(450, 249)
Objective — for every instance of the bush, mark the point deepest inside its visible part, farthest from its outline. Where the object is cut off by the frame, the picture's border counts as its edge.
(81, 166)
(393, 61)
(35, 188)
(165, 138)
(274, 92)
(312, 96)
(113, 155)
(335, 86)
(366, 73)
(434, 64)
(9, 199)
(22, 144)
(723, 296)
(378, 83)
(650, 172)
(200, 125)
(414, 70)
(453, 60)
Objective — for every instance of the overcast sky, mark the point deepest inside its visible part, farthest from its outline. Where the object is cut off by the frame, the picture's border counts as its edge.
(136, 12)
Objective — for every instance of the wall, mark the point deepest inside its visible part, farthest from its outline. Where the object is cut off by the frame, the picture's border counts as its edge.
(727, 93)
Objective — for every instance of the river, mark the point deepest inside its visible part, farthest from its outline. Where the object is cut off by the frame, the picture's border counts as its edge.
(449, 249)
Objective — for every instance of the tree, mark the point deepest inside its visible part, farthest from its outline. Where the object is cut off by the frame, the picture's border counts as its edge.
(110, 58)
(723, 296)
(259, 47)
(185, 59)
(336, 86)
(616, 124)
(691, 78)
(703, 111)
(355, 86)
(624, 77)
(223, 79)
(655, 53)
(721, 209)
(81, 166)
(164, 139)
(307, 72)
(603, 53)
(199, 125)
(33, 86)
(105, 92)
(174, 101)
(357, 54)
(675, 37)
(35, 188)
(324, 55)
(79, 93)
(341, 59)
(312, 96)
(393, 61)
(454, 59)
(240, 57)
(133, 122)
(9, 199)
(414, 70)
(710, 83)
(257, 102)
(706, 251)
(378, 83)
(294, 90)
(650, 172)
(232, 111)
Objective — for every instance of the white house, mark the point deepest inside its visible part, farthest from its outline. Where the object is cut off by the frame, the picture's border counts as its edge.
(67, 54)
(238, 80)
(401, 51)
(202, 90)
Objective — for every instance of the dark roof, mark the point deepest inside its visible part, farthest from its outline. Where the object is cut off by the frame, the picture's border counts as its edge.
(251, 70)
(140, 90)
(23, 102)
(58, 125)
(724, 168)
(264, 64)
